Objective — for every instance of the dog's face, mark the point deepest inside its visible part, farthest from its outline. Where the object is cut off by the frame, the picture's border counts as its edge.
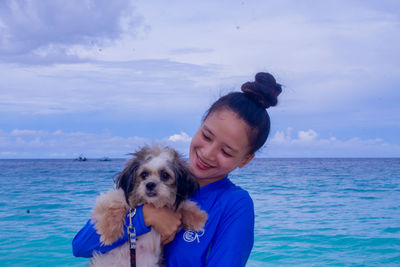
(155, 180)
(157, 175)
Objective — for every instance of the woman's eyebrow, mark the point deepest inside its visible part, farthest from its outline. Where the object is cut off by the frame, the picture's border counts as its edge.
(231, 148)
(208, 130)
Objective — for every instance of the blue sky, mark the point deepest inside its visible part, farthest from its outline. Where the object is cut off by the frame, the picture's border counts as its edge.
(104, 77)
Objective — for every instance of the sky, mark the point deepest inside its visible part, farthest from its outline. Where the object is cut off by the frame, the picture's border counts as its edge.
(102, 78)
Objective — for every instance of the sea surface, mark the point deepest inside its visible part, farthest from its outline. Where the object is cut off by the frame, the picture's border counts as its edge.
(309, 212)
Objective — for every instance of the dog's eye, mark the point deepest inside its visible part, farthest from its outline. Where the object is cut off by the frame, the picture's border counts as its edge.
(143, 175)
(164, 176)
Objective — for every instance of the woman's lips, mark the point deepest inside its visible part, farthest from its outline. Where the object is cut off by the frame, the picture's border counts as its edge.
(201, 164)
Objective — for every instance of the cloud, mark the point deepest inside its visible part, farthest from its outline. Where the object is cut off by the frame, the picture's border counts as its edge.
(27, 143)
(309, 144)
(88, 65)
(46, 29)
(44, 144)
(307, 136)
(182, 137)
(59, 144)
(142, 85)
(191, 50)
(28, 133)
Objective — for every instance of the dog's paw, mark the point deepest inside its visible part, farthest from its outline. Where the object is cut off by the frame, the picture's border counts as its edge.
(108, 216)
(193, 218)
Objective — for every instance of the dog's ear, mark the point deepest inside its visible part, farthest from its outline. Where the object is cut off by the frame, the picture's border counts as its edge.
(186, 183)
(126, 179)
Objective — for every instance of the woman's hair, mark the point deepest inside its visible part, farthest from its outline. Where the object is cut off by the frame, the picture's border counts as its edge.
(250, 105)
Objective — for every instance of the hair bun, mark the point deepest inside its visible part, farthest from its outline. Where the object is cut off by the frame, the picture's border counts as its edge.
(264, 90)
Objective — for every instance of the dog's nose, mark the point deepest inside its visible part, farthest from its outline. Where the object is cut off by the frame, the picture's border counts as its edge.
(150, 186)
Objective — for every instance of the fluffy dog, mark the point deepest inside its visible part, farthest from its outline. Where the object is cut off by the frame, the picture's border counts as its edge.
(154, 175)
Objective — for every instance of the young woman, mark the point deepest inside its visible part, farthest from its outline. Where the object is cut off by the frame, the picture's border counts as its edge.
(233, 129)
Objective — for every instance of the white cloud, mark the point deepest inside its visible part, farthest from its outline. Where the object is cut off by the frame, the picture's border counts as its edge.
(182, 137)
(338, 61)
(309, 144)
(305, 136)
(27, 133)
(47, 29)
(279, 137)
(143, 85)
(43, 144)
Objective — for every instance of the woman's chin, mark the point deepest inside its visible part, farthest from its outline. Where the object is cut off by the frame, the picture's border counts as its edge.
(199, 174)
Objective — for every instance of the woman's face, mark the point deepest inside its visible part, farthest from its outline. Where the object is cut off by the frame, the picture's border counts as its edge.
(219, 146)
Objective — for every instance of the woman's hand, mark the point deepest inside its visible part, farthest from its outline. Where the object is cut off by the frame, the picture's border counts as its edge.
(165, 221)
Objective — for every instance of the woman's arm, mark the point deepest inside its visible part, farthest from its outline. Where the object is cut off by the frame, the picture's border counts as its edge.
(164, 221)
(234, 238)
(87, 240)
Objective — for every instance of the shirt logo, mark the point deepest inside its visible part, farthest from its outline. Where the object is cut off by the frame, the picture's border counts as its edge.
(190, 235)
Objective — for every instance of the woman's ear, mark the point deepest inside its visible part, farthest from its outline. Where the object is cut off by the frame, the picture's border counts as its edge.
(246, 160)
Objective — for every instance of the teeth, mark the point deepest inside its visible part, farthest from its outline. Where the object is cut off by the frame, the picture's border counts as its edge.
(203, 163)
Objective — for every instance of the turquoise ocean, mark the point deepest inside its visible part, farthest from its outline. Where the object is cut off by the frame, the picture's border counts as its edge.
(309, 212)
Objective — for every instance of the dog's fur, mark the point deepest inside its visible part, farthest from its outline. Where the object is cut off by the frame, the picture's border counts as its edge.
(154, 175)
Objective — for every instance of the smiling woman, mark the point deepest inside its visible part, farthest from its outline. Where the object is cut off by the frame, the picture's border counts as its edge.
(233, 129)
(218, 148)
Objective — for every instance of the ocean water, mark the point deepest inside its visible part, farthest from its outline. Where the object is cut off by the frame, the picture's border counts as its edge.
(309, 212)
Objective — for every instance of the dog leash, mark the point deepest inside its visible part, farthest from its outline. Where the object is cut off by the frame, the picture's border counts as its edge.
(132, 238)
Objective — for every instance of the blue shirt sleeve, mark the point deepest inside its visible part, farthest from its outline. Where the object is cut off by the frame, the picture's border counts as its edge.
(87, 240)
(234, 239)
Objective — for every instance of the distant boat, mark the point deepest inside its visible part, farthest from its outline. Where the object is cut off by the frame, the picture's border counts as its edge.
(105, 159)
(81, 158)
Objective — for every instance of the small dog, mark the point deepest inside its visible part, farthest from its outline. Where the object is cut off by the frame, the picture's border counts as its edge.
(154, 175)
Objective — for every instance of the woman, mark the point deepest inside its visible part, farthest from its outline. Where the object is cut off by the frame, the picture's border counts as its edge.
(233, 129)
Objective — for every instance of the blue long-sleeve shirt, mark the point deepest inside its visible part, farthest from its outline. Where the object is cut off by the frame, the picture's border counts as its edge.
(87, 240)
(227, 238)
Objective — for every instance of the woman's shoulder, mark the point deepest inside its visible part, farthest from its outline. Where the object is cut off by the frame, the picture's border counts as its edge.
(235, 204)
(236, 196)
